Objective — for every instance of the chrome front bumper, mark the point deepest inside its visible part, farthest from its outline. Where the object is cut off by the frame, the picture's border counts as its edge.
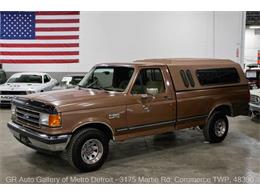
(254, 108)
(36, 140)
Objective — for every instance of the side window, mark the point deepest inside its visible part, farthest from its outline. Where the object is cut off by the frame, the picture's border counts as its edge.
(46, 79)
(218, 76)
(148, 78)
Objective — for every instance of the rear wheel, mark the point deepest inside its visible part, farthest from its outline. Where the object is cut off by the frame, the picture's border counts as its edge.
(216, 128)
(88, 150)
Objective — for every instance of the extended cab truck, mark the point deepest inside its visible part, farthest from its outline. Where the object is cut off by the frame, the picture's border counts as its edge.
(118, 101)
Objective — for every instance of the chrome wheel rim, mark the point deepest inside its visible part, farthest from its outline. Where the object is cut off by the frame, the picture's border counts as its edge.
(91, 151)
(220, 127)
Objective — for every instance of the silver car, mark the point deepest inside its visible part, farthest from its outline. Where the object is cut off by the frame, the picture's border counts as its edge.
(20, 84)
(255, 101)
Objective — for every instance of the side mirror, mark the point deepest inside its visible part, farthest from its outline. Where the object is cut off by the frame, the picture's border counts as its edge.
(152, 91)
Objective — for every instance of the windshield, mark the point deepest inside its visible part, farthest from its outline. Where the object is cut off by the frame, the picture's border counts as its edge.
(25, 78)
(108, 78)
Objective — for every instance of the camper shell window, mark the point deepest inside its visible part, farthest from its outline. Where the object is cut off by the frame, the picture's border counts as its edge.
(218, 76)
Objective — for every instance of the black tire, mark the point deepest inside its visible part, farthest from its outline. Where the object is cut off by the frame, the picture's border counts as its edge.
(211, 130)
(75, 147)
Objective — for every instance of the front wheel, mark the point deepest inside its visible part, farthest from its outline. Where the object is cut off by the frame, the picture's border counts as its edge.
(216, 128)
(88, 150)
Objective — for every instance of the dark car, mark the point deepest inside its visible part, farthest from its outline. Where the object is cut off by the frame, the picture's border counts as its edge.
(69, 81)
(2, 76)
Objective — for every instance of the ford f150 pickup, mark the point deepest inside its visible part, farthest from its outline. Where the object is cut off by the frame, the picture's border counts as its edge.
(119, 101)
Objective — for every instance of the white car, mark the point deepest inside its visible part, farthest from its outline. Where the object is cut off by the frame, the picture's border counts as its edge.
(25, 83)
(255, 101)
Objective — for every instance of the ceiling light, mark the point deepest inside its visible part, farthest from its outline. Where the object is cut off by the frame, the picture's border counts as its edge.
(254, 27)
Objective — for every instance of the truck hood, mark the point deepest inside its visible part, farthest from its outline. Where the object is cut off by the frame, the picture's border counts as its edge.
(255, 92)
(77, 99)
(21, 87)
(62, 87)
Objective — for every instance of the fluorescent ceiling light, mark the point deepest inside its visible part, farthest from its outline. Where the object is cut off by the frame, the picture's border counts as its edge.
(254, 27)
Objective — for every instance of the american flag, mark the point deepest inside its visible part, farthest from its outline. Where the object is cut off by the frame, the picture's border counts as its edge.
(39, 37)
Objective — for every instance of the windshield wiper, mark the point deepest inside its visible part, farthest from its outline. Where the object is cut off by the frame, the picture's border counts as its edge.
(80, 86)
(90, 86)
(96, 87)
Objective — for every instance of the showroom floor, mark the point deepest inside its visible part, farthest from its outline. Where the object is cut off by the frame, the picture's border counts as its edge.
(180, 157)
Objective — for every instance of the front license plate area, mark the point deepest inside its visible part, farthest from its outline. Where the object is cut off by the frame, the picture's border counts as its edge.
(6, 97)
(24, 139)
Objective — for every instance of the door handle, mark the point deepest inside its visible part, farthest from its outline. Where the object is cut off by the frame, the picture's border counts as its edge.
(146, 108)
(146, 97)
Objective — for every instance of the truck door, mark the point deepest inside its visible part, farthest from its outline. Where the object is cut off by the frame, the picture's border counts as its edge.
(148, 111)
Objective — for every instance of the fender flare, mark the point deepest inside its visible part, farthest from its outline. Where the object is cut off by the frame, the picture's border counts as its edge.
(219, 105)
(95, 122)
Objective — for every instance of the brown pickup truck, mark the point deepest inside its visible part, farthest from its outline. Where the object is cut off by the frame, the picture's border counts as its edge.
(118, 101)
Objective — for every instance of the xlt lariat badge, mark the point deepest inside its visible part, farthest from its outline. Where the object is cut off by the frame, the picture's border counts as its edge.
(114, 115)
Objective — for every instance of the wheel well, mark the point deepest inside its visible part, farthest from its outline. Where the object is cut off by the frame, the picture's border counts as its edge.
(225, 109)
(102, 127)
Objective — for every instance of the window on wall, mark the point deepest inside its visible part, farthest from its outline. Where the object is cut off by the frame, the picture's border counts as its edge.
(218, 76)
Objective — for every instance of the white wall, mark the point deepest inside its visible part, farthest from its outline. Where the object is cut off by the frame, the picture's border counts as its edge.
(229, 35)
(252, 45)
(126, 36)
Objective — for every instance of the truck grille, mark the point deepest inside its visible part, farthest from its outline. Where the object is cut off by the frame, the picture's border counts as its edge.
(28, 117)
(13, 92)
(254, 99)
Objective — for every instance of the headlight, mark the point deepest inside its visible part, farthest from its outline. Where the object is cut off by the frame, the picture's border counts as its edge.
(13, 109)
(51, 120)
(44, 119)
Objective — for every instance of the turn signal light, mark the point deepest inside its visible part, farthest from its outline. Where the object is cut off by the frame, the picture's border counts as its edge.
(54, 120)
